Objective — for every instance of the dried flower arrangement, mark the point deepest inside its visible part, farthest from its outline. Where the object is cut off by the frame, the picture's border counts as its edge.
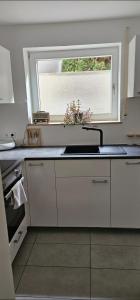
(74, 115)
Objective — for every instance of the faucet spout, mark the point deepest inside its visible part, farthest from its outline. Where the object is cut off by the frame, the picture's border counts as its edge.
(96, 129)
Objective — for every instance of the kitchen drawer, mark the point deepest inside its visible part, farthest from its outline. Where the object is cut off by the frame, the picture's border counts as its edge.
(82, 167)
(18, 239)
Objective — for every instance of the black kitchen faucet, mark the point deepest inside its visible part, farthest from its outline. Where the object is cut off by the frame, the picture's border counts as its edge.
(96, 129)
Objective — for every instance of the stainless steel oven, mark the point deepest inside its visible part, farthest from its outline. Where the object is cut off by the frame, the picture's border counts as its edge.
(16, 218)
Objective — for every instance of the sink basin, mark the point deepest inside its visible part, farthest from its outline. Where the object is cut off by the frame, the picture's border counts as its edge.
(93, 150)
(82, 149)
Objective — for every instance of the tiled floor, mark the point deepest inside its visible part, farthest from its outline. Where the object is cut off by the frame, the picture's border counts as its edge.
(92, 263)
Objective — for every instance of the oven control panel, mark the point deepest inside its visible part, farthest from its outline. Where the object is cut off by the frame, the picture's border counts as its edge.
(12, 177)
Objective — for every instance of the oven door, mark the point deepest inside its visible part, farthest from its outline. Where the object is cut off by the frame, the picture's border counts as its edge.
(16, 223)
(14, 217)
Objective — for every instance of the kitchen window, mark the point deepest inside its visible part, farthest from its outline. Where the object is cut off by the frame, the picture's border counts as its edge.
(90, 74)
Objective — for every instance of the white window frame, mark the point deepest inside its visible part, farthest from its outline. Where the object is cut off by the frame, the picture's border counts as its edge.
(109, 49)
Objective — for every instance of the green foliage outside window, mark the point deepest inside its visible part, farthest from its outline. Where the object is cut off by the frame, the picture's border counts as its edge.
(86, 64)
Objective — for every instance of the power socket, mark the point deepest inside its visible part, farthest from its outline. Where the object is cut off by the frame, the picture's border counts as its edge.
(10, 134)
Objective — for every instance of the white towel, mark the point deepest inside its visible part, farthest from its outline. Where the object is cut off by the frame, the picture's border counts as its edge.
(18, 194)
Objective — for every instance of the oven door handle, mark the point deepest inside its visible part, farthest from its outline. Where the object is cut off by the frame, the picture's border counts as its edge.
(19, 237)
(10, 193)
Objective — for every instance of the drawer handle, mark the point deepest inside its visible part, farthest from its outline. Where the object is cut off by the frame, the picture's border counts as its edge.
(19, 237)
(132, 163)
(36, 165)
(99, 181)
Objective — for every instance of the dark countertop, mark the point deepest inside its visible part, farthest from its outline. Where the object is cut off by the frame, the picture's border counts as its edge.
(57, 153)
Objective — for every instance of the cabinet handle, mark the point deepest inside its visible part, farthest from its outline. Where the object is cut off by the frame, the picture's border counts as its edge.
(36, 165)
(99, 181)
(132, 163)
(114, 88)
(19, 237)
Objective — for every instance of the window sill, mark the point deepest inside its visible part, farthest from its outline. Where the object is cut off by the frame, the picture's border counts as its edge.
(67, 125)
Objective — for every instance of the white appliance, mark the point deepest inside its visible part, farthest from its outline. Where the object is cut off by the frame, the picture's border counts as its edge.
(6, 144)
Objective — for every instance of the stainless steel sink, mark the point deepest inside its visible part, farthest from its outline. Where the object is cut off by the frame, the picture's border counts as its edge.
(94, 150)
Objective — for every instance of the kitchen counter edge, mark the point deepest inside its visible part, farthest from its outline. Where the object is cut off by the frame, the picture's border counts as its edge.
(46, 153)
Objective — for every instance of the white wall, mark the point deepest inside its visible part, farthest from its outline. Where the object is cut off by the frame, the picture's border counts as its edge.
(18, 36)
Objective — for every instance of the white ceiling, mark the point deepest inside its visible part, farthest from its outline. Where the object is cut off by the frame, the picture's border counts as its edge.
(30, 12)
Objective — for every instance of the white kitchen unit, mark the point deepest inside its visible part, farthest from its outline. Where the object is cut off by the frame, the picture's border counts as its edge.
(41, 192)
(6, 85)
(125, 193)
(83, 193)
(134, 68)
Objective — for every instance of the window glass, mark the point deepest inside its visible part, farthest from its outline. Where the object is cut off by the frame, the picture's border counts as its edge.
(89, 75)
(87, 79)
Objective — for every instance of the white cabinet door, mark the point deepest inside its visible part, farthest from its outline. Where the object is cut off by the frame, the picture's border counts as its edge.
(41, 192)
(125, 193)
(6, 85)
(83, 201)
(134, 67)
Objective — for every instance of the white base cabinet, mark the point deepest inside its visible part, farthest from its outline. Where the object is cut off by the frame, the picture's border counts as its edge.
(125, 193)
(83, 201)
(83, 193)
(41, 192)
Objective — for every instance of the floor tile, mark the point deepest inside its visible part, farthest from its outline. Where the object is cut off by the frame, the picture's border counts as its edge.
(115, 237)
(17, 273)
(67, 255)
(55, 281)
(121, 257)
(115, 283)
(74, 236)
(23, 254)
